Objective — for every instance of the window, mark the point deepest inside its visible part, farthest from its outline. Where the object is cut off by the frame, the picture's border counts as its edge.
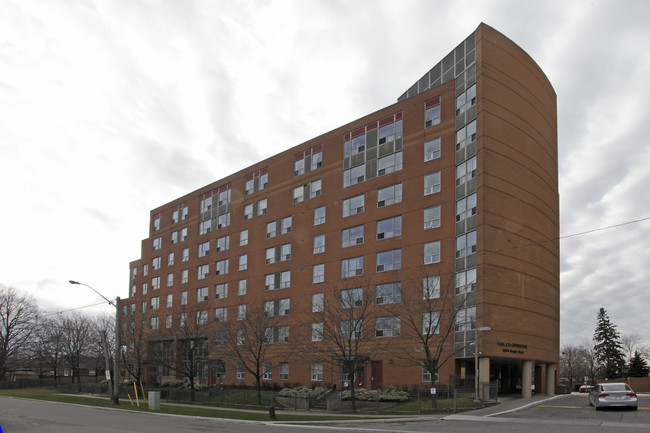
(351, 329)
(186, 254)
(184, 298)
(180, 213)
(317, 332)
(257, 208)
(276, 334)
(155, 283)
(202, 294)
(256, 181)
(355, 145)
(278, 307)
(432, 149)
(267, 371)
(155, 263)
(432, 112)
(205, 227)
(389, 164)
(466, 319)
(243, 237)
(466, 281)
(352, 267)
(282, 225)
(389, 227)
(387, 326)
(316, 371)
(243, 262)
(389, 293)
(299, 167)
(432, 252)
(316, 160)
(319, 244)
(156, 222)
(170, 280)
(184, 276)
(223, 220)
(466, 244)
(352, 236)
(144, 307)
(466, 207)
(240, 371)
(241, 337)
(157, 243)
(318, 275)
(431, 217)
(153, 323)
(388, 132)
(202, 317)
(170, 300)
(312, 189)
(466, 135)
(155, 303)
(353, 205)
(168, 321)
(426, 374)
(170, 259)
(179, 235)
(319, 215)
(221, 291)
(222, 267)
(221, 314)
(283, 371)
(432, 183)
(389, 260)
(317, 302)
(352, 298)
(431, 322)
(241, 312)
(354, 175)
(466, 171)
(389, 195)
(241, 288)
(431, 287)
(204, 249)
(279, 280)
(465, 100)
(279, 253)
(316, 188)
(203, 272)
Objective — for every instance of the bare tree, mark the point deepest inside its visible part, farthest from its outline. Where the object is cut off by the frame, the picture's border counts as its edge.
(349, 315)
(134, 338)
(590, 358)
(249, 340)
(18, 317)
(572, 364)
(77, 340)
(48, 347)
(634, 343)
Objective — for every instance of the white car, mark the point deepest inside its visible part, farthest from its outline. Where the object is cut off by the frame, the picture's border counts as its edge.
(613, 395)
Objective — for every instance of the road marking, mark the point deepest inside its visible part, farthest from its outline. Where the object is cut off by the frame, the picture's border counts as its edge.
(560, 407)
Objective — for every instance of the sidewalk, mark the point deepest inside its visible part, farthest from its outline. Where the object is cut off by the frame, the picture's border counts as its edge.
(510, 404)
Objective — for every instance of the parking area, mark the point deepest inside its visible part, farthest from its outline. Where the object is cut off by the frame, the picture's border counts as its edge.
(576, 407)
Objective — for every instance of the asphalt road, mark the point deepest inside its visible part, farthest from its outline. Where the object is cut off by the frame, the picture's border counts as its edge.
(563, 414)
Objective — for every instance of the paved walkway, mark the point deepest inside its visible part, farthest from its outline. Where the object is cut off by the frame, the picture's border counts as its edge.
(510, 404)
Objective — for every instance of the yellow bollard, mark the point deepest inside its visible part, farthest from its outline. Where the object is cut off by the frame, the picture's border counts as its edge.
(130, 398)
(143, 396)
(135, 388)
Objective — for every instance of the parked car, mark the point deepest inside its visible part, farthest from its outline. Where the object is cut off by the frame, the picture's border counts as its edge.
(585, 388)
(613, 395)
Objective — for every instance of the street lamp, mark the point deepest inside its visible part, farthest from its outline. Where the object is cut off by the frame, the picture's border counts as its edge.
(115, 397)
(481, 329)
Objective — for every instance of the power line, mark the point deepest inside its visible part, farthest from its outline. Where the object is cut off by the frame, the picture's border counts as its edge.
(71, 309)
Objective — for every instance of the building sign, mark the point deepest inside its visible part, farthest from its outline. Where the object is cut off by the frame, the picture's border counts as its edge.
(508, 347)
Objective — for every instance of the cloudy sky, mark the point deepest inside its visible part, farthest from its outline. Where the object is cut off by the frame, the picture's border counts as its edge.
(111, 108)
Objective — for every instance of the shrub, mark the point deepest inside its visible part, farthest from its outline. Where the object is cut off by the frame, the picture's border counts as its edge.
(389, 394)
(303, 392)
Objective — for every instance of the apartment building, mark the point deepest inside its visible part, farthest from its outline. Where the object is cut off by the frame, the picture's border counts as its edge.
(429, 225)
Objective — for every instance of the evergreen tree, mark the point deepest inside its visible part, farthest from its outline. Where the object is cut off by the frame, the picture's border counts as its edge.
(638, 366)
(608, 347)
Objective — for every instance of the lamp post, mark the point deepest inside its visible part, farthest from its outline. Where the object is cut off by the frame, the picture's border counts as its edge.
(481, 329)
(115, 396)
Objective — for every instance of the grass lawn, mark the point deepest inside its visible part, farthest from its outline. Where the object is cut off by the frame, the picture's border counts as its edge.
(200, 411)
